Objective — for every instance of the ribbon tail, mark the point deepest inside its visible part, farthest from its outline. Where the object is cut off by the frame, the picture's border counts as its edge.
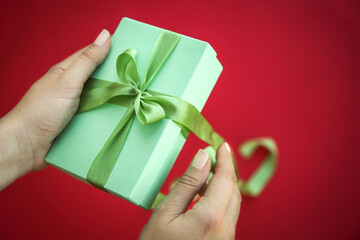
(185, 131)
(187, 117)
(257, 182)
(104, 162)
(195, 122)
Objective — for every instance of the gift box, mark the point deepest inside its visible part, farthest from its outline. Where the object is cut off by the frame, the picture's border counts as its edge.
(148, 151)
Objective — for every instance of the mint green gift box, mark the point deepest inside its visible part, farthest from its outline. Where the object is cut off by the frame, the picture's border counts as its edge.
(149, 152)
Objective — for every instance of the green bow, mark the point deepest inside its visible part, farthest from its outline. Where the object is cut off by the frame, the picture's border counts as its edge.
(148, 106)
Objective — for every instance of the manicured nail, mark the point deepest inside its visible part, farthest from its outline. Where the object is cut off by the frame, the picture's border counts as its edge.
(200, 159)
(102, 37)
(227, 147)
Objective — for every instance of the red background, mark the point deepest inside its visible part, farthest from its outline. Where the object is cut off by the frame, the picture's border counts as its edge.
(291, 71)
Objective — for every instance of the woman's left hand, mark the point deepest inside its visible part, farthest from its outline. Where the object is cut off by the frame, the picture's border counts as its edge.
(28, 131)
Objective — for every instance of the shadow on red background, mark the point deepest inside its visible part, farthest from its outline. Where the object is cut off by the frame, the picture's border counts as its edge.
(291, 71)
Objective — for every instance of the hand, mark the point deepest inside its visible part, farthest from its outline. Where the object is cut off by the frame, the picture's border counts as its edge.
(29, 130)
(214, 216)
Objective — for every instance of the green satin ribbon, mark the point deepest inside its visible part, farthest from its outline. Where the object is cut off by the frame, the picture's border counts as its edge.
(262, 175)
(149, 107)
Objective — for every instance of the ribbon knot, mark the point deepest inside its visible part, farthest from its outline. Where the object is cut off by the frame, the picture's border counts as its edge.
(148, 111)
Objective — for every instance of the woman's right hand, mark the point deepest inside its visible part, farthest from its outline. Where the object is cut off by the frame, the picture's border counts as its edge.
(214, 216)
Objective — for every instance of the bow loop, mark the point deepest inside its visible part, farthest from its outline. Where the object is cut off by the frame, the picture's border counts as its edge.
(126, 68)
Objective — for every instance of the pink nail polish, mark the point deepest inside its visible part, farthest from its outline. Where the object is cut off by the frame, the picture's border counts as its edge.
(102, 37)
(200, 159)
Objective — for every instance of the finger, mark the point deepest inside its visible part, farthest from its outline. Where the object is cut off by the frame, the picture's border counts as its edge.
(220, 188)
(233, 209)
(187, 187)
(86, 62)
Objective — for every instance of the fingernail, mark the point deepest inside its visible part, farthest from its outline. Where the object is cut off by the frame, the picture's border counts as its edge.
(102, 37)
(200, 159)
(227, 146)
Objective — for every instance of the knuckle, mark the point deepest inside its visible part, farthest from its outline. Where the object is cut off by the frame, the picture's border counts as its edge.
(56, 70)
(190, 180)
(213, 220)
(160, 210)
(71, 88)
(89, 56)
(212, 217)
(228, 176)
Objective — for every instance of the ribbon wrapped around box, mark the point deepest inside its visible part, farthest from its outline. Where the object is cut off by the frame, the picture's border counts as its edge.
(137, 110)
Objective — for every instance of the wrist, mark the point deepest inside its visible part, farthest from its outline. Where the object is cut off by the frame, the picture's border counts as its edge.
(16, 155)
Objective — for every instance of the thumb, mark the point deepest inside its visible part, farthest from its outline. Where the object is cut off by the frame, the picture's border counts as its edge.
(187, 187)
(87, 61)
